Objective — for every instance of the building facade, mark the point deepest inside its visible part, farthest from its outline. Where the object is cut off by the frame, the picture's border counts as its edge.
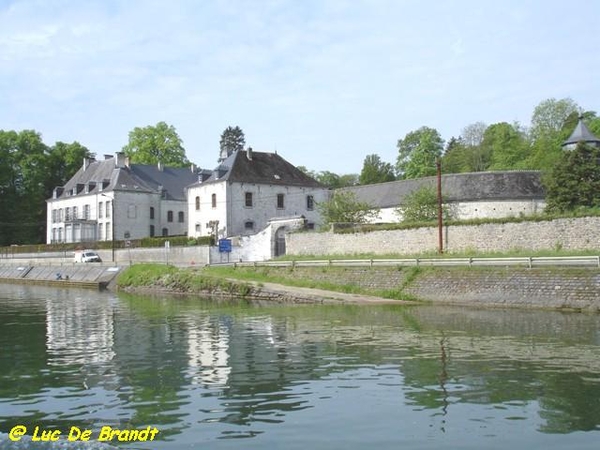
(471, 195)
(113, 199)
(246, 191)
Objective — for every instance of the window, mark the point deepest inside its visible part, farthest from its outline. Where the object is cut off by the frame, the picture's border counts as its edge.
(280, 201)
(74, 212)
(214, 200)
(108, 209)
(152, 229)
(107, 232)
(86, 212)
(180, 217)
(67, 214)
(248, 199)
(100, 209)
(53, 217)
(310, 202)
(152, 212)
(249, 225)
(197, 203)
(165, 231)
(169, 216)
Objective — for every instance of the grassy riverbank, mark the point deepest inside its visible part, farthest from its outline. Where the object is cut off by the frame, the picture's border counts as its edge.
(563, 288)
(162, 277)
(241, 282)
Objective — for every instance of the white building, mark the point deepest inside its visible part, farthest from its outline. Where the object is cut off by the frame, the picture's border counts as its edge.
(471, 195)
(132, 201)
(246, 191)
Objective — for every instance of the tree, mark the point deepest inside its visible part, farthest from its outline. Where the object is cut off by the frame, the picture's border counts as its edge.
(549, 117)
(575, 180)
(156, 144)
(344, 207)
(330, 179)
(548, 131)
(376, 171)
(506, 146)
(456, 157)
(232, 140)
(417, 153)
(23, 172)
(421, 205)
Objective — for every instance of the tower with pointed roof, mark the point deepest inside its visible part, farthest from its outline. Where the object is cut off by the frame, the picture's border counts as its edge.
(581, 133)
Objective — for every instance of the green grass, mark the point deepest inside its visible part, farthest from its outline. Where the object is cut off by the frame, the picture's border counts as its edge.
(287, 277)
(171, 278)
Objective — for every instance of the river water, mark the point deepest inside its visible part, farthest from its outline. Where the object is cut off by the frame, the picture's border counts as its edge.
(230, 375)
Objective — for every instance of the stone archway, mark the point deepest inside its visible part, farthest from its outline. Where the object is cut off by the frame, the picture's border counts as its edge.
(279, 246)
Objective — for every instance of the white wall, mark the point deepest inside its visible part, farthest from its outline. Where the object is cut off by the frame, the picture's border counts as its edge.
(132, 210)
(198, 219)
(476, 210)
(232, 213)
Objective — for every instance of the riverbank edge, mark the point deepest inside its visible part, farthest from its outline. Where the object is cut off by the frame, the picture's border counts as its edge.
(573, 289)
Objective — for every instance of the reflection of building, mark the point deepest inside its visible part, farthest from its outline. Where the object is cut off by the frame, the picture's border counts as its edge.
(208, 345)
(79, 331)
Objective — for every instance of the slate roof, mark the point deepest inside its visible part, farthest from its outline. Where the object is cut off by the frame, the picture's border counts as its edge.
(260, 168)
(510, 185)
(581, 133)
(135, 177)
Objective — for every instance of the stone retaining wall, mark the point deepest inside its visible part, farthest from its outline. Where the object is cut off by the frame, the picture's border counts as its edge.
(554, 288)
(569, 234)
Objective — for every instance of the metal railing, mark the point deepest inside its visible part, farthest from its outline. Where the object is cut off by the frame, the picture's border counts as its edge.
(517, 261)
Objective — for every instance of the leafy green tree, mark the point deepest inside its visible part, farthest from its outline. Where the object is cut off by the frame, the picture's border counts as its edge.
(232, 140)
(344, 207)
(548, 131)
(22, 180)
(421, 205)
(456, 157)
(575, 180)
(154, 144)
(330, 179)
(376, 171)
(506, 146)
(550, 115)
(64, 160)
(417, 153)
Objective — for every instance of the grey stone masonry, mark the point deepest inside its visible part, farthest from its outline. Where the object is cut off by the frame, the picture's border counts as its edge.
(568, 234)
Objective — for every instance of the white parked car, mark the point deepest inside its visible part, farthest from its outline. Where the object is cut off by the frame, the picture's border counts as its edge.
(86, 256)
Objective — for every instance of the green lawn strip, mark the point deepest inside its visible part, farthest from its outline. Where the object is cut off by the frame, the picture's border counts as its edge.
(273, 275)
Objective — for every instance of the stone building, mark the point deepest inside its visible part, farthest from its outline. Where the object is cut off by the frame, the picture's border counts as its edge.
(115, 199)
(472, 195)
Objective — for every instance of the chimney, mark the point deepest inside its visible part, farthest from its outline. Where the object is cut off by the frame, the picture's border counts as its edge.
(86, 163)
(249, 153)
(120, 160)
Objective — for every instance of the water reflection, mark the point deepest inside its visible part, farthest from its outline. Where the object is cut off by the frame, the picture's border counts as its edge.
(206, 372)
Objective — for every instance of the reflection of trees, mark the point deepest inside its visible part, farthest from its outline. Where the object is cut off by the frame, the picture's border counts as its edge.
(571, 401)
(488, 366)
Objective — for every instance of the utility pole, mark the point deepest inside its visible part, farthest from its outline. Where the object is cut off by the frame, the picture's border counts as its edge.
(438, 166)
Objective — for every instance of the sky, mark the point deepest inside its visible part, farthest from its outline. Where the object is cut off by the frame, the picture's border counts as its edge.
(323, 83)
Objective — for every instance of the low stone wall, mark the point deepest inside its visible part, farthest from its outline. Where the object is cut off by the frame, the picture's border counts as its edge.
(577, 289)
(569, 234)
(553, 288)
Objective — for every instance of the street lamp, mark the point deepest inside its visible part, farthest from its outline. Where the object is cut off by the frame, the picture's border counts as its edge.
(112, 225)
